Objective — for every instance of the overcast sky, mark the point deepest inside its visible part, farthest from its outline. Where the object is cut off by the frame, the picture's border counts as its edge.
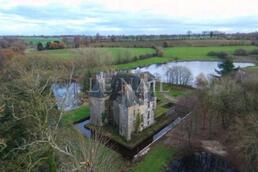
(55, 17)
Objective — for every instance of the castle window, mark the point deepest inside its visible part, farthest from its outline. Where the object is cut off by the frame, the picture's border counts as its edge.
(149, 115)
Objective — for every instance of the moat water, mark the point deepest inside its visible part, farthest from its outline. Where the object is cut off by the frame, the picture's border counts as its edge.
(200, 162)
(196, 68)
(135, 152)
(67, 95)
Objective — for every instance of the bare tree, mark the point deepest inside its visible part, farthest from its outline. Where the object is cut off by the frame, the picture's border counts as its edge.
(179, 75)
(201, 81)
(43, 142)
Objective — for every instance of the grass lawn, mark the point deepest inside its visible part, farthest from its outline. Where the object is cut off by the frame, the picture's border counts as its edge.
(76, 115)
(156, 160)
(200, 53)
(176, 91)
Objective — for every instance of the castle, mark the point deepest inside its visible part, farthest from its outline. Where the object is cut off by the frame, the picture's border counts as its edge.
(124, 100)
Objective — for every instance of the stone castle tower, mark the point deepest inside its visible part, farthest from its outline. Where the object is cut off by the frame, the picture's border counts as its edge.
(127, 99)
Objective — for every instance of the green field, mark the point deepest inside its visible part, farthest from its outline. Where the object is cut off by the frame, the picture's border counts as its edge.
(175, 92)
(156, 160)
(35, 40)
(113, 52)
(200, 53)
(184, 54)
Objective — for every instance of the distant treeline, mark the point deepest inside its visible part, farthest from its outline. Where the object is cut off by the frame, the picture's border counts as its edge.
(208, 38)
(51, 46)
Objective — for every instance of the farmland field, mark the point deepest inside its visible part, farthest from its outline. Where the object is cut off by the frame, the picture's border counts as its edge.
(35, 40)
(184, 54)
(170, 54)
(200, 53)
(113, 52)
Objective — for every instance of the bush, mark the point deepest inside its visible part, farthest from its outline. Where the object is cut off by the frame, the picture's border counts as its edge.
(55, 45)
(165, 44)
(212, 53)
(221, 55)
(40, 46)
(240, 52)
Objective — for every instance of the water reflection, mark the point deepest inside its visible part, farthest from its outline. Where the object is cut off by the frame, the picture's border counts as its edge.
(196, 68)
(67, 95)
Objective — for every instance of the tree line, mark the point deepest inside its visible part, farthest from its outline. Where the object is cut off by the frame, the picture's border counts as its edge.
(226, 109)
(51, 45)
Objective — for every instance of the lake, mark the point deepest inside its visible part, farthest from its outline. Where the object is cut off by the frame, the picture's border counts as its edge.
(196, 68)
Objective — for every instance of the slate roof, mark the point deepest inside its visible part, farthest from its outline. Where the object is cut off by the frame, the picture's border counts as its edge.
(132, 81)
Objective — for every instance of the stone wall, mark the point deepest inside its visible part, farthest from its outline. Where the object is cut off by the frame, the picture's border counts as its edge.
(97, 108)
(128, 115)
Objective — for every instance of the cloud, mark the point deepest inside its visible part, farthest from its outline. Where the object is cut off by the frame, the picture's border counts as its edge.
(126, 16)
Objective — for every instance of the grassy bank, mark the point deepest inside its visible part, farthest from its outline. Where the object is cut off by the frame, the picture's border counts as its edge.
(80, 52)
(156, 160)
(145, 62)
(76, 115)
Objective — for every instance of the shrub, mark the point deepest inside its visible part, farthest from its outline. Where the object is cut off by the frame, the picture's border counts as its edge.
(240, 52)
(221, 54)
(55, 45)
(40, 46)
(212, 53)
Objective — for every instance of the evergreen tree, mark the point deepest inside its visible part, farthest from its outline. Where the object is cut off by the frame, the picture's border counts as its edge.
(40, 46)
(225, 67)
